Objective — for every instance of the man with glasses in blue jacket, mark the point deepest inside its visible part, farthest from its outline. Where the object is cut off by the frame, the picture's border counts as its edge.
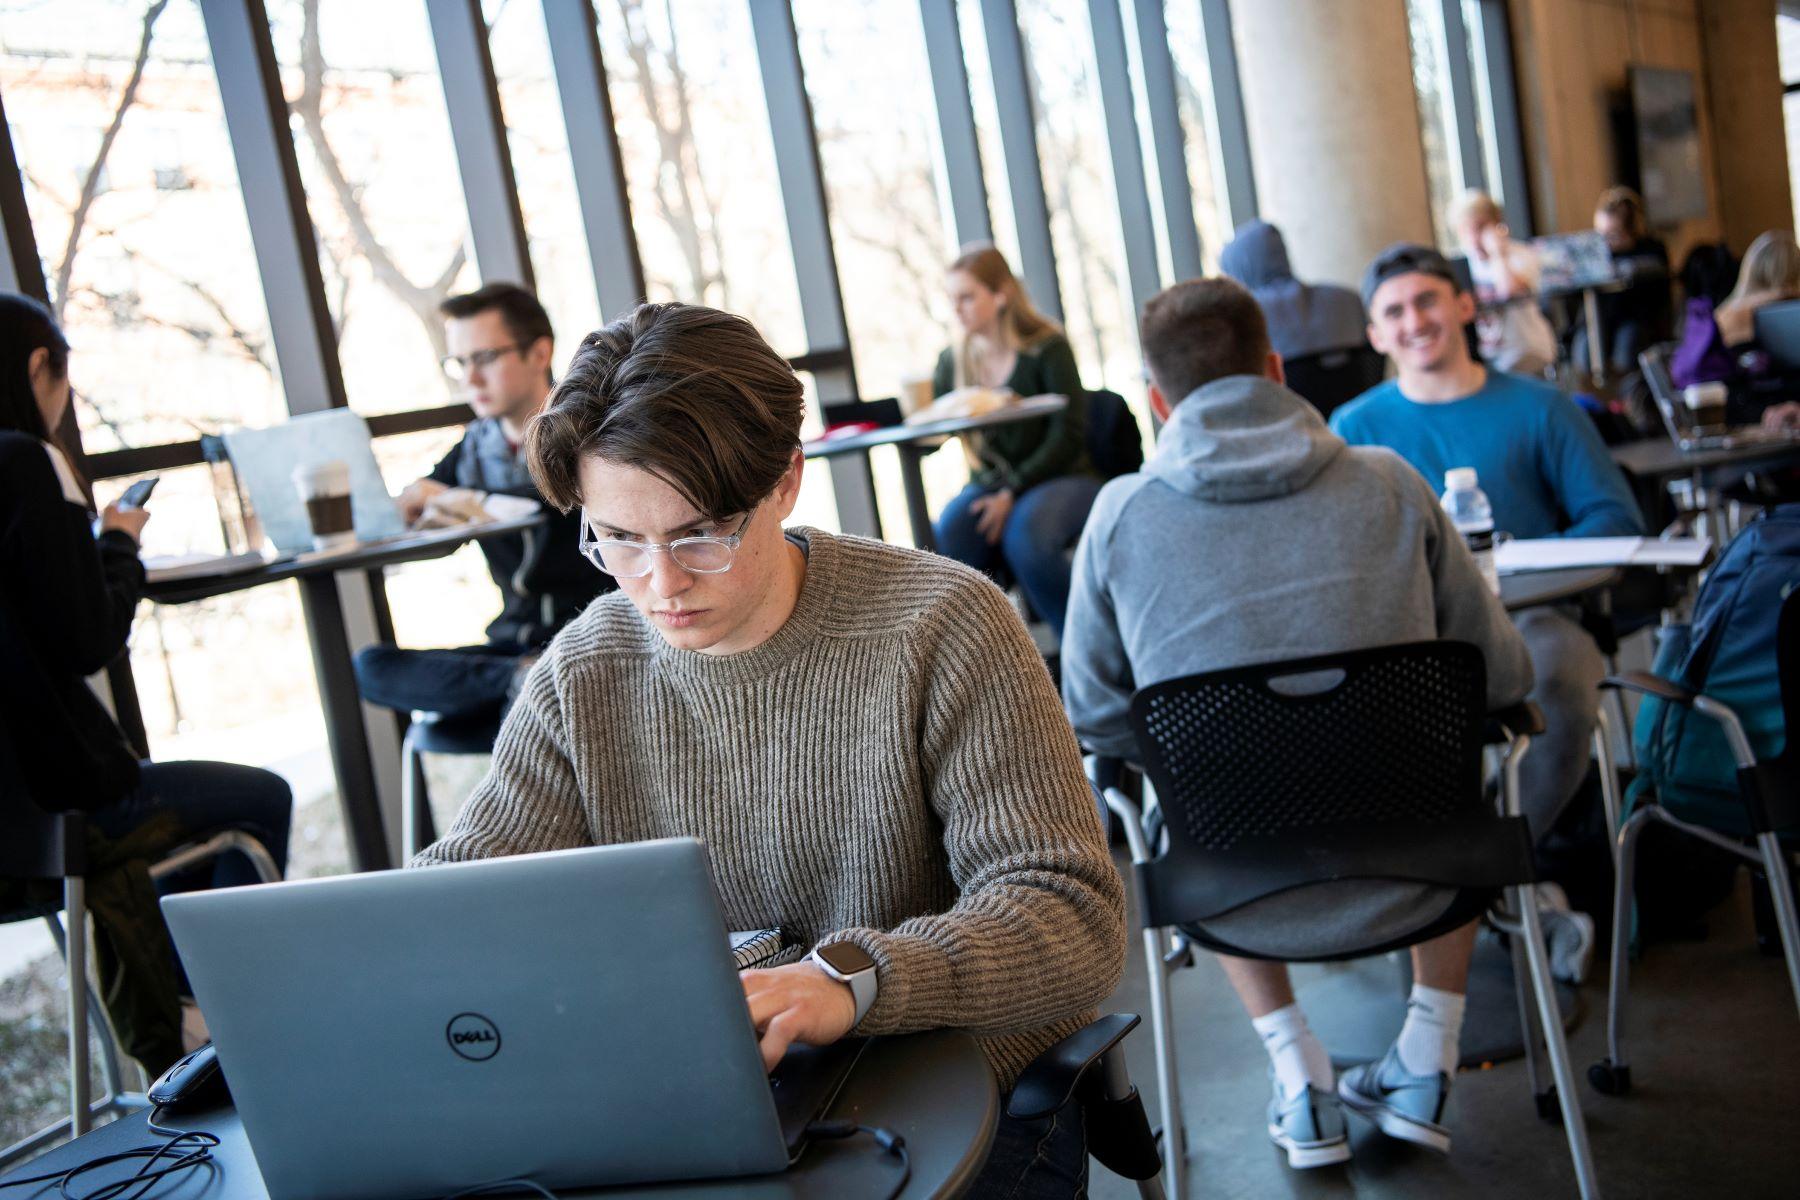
(499, 344)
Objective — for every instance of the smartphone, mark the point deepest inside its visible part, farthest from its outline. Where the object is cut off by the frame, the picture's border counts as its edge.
(137, 493)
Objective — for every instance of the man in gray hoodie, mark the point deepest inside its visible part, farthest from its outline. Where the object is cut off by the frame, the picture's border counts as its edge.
(1255, 535)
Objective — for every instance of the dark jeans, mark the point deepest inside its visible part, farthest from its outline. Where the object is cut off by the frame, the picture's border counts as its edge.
(205, 798)
(1042, 528)
(470, 681)
(1036, 1160)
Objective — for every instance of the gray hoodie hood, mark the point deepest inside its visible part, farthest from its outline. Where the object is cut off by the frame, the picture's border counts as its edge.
(1303, 318)
(1242, 438)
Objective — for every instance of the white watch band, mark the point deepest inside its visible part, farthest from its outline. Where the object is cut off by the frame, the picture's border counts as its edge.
(862, 985)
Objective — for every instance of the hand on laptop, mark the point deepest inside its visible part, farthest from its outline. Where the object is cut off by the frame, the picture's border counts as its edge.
(796, 1003)
(412, 501)
(1782, 416)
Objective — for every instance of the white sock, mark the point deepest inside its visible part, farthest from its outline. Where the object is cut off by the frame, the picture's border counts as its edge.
(1298, 1055)
(1430, 1041)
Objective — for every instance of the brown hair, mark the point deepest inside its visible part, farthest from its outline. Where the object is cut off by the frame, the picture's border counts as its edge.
(692, 395)
(524, 316)
(1022, 326)
(1199, 331)
(1625, 205)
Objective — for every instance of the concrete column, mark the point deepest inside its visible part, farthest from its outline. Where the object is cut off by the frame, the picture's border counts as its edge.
(1743, 83)
(1334, 129)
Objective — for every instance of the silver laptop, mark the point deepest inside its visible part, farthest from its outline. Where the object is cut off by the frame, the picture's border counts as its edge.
(574, 1018)
(264, 460)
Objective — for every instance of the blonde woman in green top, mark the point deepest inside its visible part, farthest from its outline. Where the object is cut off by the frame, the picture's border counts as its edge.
(1032, 485)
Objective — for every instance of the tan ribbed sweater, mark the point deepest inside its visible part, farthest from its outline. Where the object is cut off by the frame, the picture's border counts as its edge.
(891, 768)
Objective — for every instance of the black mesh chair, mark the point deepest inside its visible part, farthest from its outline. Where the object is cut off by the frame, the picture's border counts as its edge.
(1358, 766)
(1771, 793)
(1333, 377)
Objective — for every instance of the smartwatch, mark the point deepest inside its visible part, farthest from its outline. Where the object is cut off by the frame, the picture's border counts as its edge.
(848, 963)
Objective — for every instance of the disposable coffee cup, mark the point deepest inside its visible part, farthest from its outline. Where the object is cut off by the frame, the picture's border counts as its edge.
(325, 489)
(1706, 404)
(915, 394)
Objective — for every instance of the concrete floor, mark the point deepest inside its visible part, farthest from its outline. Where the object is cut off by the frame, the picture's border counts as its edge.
(1714, 1110)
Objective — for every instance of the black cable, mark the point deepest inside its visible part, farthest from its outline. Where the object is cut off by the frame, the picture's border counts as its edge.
(887, 1139)
(191, 1150)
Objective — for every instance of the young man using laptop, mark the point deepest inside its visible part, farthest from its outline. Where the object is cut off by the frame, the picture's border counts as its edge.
(1538, 458)
(499, 342)
(863, 735)
(1293, 545)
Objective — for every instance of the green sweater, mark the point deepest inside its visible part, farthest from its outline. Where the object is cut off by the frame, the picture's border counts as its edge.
(1024, 454)
(892, 768)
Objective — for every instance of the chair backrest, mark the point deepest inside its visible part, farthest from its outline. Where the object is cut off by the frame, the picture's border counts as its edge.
(1360, 765)
(1115, 445)
(1333, 377)
(34, 843)
(1778, 332)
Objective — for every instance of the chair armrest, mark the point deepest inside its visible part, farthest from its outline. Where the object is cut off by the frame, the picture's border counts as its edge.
(1742, 753)
(1049, 1082)
(1647, 684)
(1522, 718)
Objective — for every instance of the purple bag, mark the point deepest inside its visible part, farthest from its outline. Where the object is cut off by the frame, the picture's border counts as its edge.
(1701, 356)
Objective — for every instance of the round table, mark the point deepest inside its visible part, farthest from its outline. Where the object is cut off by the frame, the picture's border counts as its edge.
(934, 1089)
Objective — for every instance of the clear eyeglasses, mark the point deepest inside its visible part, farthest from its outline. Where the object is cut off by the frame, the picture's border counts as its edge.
(631, 560)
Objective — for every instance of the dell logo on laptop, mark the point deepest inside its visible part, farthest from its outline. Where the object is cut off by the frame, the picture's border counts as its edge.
(473, 1036)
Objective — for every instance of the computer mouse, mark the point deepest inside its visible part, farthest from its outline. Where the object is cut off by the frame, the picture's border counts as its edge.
(195, 1081)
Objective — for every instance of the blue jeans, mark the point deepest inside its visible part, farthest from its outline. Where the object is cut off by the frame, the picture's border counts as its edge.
(470, 681)
(206, 798)
(1041, 530)
(1044, 1159)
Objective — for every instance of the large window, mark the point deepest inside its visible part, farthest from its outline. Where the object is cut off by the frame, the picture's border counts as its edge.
(699, 160)
(987, 128)
(376, 158)
(1084, 212)
(1200, 126)
(1433, 48)
(539, 142)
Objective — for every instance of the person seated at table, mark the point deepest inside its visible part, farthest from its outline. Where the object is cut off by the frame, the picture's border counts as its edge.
(69, 585)
(1515, 335)
(1538, 458)
(1296, 545)
(1303, 318)
(1032, 484)
(1641, 313)
(862, 734)
(1770, 274)
(500, 342)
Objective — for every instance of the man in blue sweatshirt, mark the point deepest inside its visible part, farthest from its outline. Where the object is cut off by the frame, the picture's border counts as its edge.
(1540, 461)
(1254, 535)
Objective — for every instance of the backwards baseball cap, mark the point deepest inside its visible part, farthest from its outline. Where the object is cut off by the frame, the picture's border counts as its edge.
(1406, 258)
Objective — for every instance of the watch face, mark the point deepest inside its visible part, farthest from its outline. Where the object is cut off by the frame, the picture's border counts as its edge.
(846, 958)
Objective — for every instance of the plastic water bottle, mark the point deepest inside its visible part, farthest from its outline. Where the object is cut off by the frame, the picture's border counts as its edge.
(1473, 517)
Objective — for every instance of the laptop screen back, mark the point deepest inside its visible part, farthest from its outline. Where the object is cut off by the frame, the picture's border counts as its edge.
(573, 1017)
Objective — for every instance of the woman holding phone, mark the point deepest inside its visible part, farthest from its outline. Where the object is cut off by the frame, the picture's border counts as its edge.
(69, 584)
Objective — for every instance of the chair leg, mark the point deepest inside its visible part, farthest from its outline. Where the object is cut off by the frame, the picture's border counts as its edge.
(1528, 1030)
(1168, 1084)
(1609, 777)
(1614, 1075)
(75, 955)
(412, 796)
(1781, 895)
(1538, 959)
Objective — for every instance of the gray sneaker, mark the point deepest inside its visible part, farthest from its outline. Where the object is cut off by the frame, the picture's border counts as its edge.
(1310, 1127)
(1404, 1106)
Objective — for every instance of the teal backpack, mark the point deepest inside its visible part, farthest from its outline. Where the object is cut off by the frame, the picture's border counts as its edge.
(1729, 654)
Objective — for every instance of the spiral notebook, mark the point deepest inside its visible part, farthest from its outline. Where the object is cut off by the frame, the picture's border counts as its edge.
(764, 948)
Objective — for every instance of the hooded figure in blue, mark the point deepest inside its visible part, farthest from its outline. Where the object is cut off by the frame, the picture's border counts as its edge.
(1303, 318)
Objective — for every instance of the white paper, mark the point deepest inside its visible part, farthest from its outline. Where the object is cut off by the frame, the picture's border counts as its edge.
(1551, 554)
